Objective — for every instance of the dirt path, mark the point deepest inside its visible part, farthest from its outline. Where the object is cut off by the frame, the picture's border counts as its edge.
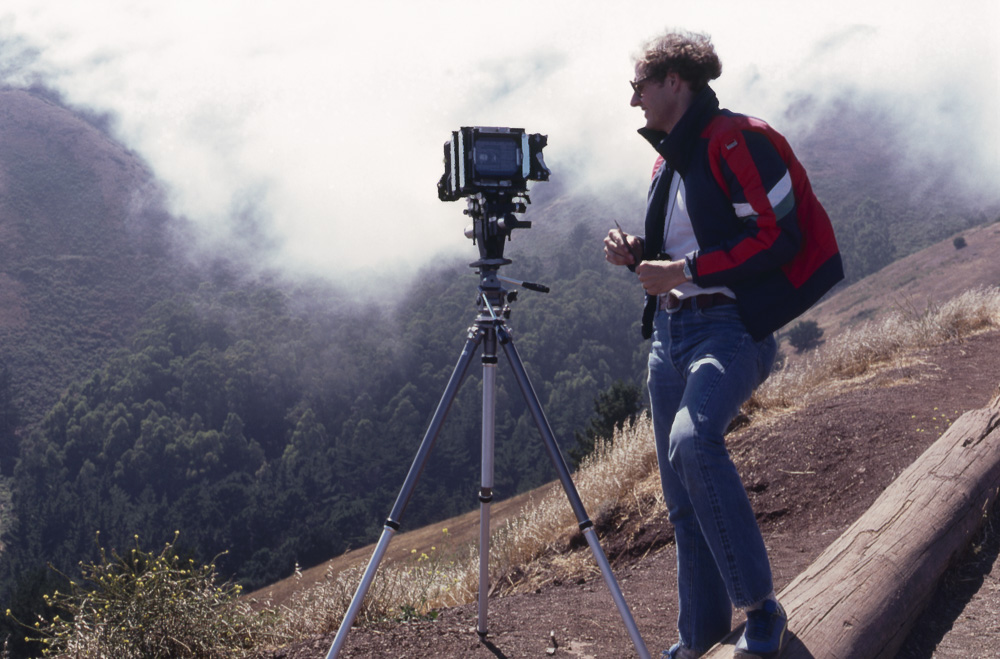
(809, 475)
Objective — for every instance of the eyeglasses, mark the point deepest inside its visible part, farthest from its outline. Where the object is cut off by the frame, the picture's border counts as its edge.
(638, 84)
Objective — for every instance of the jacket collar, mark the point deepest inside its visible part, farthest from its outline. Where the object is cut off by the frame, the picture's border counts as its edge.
(676, 146)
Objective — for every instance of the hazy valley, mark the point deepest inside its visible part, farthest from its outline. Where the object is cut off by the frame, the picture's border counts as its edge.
(148, 387)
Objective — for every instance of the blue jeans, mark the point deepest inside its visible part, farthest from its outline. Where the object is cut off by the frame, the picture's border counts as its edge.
(702, 366)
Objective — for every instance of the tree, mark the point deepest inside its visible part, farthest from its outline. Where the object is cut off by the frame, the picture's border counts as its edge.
(867, 246)
(805, 335)
(620, 402)
(10, 419)
(959, 242)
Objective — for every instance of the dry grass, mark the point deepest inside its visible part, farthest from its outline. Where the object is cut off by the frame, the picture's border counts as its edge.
(525, 551)
(610, 477)
(449, 575)
(866, 348)
(401, 591)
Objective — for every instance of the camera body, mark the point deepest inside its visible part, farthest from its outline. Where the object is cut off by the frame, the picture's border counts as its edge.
(493, 161)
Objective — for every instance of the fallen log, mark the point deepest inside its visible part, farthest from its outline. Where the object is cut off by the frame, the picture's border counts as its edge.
(859, 599)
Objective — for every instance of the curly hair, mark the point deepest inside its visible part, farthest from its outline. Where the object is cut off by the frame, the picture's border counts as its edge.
(690, 55)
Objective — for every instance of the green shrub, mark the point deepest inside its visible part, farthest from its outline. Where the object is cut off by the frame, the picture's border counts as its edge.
(149, 606)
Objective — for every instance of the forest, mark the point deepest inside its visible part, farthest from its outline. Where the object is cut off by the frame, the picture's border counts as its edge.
(263, 426)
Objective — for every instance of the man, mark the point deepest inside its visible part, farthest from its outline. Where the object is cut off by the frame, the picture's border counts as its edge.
(736, 245)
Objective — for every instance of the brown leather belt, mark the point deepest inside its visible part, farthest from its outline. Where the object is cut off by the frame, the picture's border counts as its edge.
(673, 303)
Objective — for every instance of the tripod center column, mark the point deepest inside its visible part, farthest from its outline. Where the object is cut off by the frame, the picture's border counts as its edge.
(486, 480)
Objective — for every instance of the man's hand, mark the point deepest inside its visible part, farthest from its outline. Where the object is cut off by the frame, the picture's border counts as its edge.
(659, 277)
(621, 248)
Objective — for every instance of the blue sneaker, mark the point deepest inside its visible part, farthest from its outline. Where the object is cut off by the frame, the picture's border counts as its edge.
(764, 636)
(678, 651)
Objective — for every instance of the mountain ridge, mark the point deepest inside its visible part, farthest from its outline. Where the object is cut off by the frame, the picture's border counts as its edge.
(82, 246)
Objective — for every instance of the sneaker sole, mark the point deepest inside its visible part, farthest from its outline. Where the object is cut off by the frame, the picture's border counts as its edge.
(743, 654)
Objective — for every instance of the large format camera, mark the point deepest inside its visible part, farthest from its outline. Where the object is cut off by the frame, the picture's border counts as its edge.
(492, 167)
(500, 160)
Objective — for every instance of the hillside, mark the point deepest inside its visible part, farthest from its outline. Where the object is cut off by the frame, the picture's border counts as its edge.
(84, 249)
(811, 471)
(916, 282)
(884, 201)
(273, 422)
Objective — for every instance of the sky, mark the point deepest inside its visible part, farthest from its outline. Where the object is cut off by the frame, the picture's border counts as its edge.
(323, 123)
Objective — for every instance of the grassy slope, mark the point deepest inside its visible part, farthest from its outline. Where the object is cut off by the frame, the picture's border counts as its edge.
(461, 530)
(912, 284)
(935, 274)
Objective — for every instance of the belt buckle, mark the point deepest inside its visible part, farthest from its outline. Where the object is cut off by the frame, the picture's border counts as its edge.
(672, 304)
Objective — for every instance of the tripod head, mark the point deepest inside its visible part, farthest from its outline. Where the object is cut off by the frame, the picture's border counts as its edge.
(492, 167)
(493, 220)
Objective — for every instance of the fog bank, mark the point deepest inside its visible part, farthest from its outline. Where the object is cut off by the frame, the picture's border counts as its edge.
(313, 133)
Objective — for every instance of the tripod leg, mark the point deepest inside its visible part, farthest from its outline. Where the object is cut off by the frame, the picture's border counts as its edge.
(486, 481)
(392, 523)
(586, 526)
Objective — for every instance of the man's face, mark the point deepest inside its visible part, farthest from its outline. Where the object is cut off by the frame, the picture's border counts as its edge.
(658, 100)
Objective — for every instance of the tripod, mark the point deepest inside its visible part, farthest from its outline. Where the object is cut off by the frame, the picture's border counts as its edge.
(488, 330)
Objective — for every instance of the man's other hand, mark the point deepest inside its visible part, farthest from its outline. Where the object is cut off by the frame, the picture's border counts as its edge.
(621, 248)
(659, 277)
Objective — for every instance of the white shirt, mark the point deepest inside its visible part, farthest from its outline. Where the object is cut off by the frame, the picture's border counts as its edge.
(679, 239)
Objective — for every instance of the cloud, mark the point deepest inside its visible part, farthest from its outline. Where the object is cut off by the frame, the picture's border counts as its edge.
(325, 122)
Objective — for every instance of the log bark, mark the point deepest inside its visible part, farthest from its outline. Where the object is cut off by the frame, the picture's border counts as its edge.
(859, 599)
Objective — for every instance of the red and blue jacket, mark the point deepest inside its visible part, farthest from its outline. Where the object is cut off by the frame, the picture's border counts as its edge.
(760, 229)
